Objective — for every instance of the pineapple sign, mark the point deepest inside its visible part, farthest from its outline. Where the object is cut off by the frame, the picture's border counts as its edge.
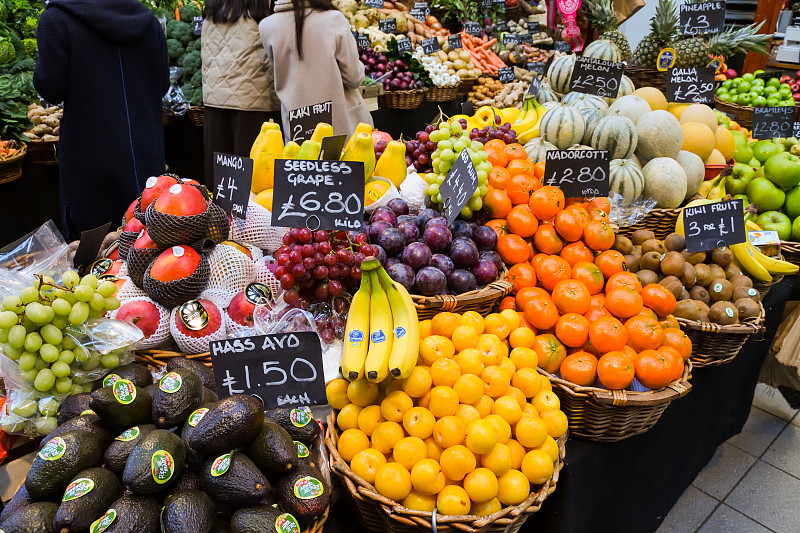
(703, 18)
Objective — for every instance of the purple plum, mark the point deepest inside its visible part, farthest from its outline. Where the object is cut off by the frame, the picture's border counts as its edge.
(436, 221)
(424, 216)
(430, 281)
(461, 281)
(494, 257)
(443, 263)
(438, 238)
(402, 274)
(385, 214)
(375, 230)
(407, 218)
(398, 206)
(485, 271)
(485, 237)
(461, 228)
(391, 261)
(392, 241)
(464, 253)
(380, 255)
(417, 255)
(409, 230)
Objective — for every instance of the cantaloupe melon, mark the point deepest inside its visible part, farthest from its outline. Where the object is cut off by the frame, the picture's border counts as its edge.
(563, 126)
(700, 113)
(592, 117)
(603, 49)
(694, 169)
(630, 106)
(716, 158)
(536, 149)
(552, 104)
(664, 182)
(582, 101)
(698, 139)
(560, 73)
(659, 135)
(626, 87)
(653, 96)
(617, 134)
(724, 142)
(625, 178)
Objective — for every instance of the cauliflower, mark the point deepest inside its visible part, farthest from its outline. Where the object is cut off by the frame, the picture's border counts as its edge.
(174, 49)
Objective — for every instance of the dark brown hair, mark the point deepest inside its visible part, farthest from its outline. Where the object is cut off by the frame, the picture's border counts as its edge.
(300, 7)
(227, 11)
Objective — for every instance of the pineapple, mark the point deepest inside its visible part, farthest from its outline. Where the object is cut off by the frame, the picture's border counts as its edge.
(696, 51)
(605, 21)
(663, 29)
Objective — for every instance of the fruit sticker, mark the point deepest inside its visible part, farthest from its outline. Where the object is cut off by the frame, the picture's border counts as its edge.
(53, 450)
(129, 434)
(356, 338)
(258, 293)
(221, 465)
(399, 332)
(101, 266)
(162, 465)
(171, 383)
(124, 391)
(729, 312)
(103, 523)
(177, 251)
(666, 59)
(286, 523)
(307, 488)
(302, 449)
(301, 417)
(110, 380)
(88, 412)
(377, 336)
(193, 315)
(76, 489)
(197, 416)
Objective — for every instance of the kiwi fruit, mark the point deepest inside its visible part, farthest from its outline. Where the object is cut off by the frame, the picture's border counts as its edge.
(703, 307)
(747, 308)
(732, 270)
(647, 277)
(694, 259)
(740, 280)
(745, 292)
(723, 313)
(689, 275)
(703, 316)
(641, 235)
(623, 245)
(633, 262)
(717, 271)
(722, 256)
(675, 242)
(650, 261)
(700, 294)
(673, 285)
(684, 295)
(687, 309)
(653, 245)
(672, 264)
(637, 250)
(703, 274)
(720, 290)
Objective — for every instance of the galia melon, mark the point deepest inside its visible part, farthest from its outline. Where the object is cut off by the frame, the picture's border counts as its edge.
(724, 142)
(694, 169)
(698, 139)
(716, 158)
(700, 113)
(653, 96)
(664, 182)
(659, 135)
(630, 106)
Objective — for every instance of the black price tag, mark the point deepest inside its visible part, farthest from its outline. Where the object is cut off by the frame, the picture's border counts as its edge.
(404, 45)
(578, 173)
(303, 120)
(705, 18)
(691, 85)
(502, 25)
(796, 130)
(772, 122)
(362, 41)
(562, 46)
(378, 4)
(423, 7)
(89, 247)
(431, 45)
(331, 148)
(282, 369)
(536, 66)
(459, 186)
(548, 63)
(506, 74)
(318, 194)
(486, 4)
(526, 38)
(388, 25)
(454, 42)
(473, 28)
(233, 176)
(510, 38)
(467, 108)
(418, 14)
(533, 90)
(714, 225)
(197, 25)
(766, 76)
(533, 27)
(595, 76)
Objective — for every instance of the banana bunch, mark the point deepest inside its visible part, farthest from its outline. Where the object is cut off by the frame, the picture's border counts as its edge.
(527, 124)
(750, 259)
(382, 332)
(713, 189)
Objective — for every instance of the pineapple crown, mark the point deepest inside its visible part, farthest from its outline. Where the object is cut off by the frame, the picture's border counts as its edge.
(602, 15)
(664, 26)
(746, 39)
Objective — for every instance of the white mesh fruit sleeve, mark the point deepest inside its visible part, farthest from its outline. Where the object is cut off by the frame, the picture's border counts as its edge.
(257, 229)
(192, 345)
(161, 335)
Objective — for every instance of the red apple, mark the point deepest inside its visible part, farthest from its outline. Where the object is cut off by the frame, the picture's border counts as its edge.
(378, 135)
(154, 188)
(115, 267)
(175, 263)
(133, 225)
(142, 313)
(236, 246)
(144, 241)
(796, 97)
(241, 310)
(131, 209)
(730, 73)
(198, 318)
(181, 200)
(785, 79)
(794, 87)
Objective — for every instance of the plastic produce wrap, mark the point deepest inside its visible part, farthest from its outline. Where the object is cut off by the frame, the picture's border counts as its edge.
(623, 214)
(264, 274)
(174, 102)
(161, 335)
(42, 251)
(231, 270)
(412, 190)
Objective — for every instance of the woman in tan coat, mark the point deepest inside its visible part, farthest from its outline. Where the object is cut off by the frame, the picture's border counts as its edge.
(238, 93)
(315, 59)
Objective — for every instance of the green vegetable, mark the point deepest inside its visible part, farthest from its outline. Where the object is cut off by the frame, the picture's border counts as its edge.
(197, 79)
(192, 63)
(174, 49)
(7, 52)
(180, 30)
(189, 11)
(30, 47)
(26, 64)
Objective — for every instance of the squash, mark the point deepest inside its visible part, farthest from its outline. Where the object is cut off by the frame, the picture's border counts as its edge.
(562, 126)
(592, 117)
(630, 106)
(560, 73)
(626, 179)
(617, 134)
(664, 182)
(659, 135)
(536, 149)
(603, 49)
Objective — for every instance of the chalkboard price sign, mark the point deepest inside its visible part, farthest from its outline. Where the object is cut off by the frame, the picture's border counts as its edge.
(318, 194)
(691, 85)
(378, 4)
(303, 120)
(525, 38)
(89, 245)
(705, 18)
(362, 41)
(536, 66)
(459, 186)
(771, 122)
(417, 14)
(404, 45)
(502, 25)
(454, 42)
(562, 46)
(533, 90)
(388, 25)
(796, 130)
(510, 38)
(578, 173)
(766, 76)
(282, 369)
(486, 4)
(197, 25)
(596, 76)
(506, 74)
(429, 46)
(473, 28)
(233, 176)
(714, 225)
(423, 7)
(533, 27)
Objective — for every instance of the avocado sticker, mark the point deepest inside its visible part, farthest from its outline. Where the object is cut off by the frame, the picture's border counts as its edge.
(162, 465)
(193, 315)
(103, 523)
(76, 489)
(221, 465)
(302, 449)
(53, 450)
(129, 434)
(171, 383)
(124, 391)
(301, 417)
(286, 523)
(88, 412)
(110, 380)
(197, 416)
(308, 488)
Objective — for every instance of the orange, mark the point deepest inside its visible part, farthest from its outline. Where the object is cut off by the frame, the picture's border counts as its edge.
(654, 370)
(495, 156)
(521, 275)
(552, 270)
(615, 370)
(521, 221)
(498, 178)
(556, 422)
(659, 299)
(580, 368)
(408, 451)
(546, 202)
(571, 296)
(498, 460)
(528, 381)
(418, 383)
(580, 211)
(675, 338)
(481, 436)
(623, 279)
(370, 418)
(499, 226)
(444, 371)
(366, 462)
(623, 302)
(457, 461)
(427, 477)
(598, 235)
(512, 249)
(644, 333)
(521, 166)
(610, 262)
(599, 300)
(513, 488)
(496, 203)
(521, 187)
(495, 380)
(595, 312)
(419, 422)
(444, 401)
(453, 500)
(572, 329)
(393, 481)
(530, 431)
(550, 352)
(598, 214)
(547, 240)
(576, 252)
(496, 143)
(669, 321)
(607, 334)
(538, 170)
(648, 312)
(601, 203)
(449, 431)
(351, 442)
(508, 302)
(677, 361)
(569, 224)
(537, 466)
(589, 274)
(444, 323)
(541, 312)
(514, 152)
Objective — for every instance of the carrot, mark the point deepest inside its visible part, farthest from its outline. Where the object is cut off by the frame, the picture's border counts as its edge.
(488, 44)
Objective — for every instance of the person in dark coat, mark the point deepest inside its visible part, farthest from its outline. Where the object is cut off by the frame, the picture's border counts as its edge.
(106, 60)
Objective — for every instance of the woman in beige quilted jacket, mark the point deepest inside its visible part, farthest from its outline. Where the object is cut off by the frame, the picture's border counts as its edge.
(238, 92)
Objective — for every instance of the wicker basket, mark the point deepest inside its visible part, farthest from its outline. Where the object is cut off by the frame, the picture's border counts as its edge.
(791, 251)
(659, 221)
(610, 416)
(42, 152)
(466, 85)
(381, 514)
(742, 114)
(713, 344)
(196, 115)
(160, 358)
(11, 168)
(481, 300)
(647, 77)
(442, 94)
(402, 99)
(763, 287)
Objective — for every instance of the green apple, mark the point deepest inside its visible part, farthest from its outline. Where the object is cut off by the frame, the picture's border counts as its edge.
(744, 99)
(765, 194)
(783, 170)
(796, 229)
(740, 177)
(722, 119)
(743, 152)
(755, 163)
(776, 221)
(763, 150)
(774, 82)
(760, 172)
(788, 142)
(770, 89)
(759, 102)
(791, 206)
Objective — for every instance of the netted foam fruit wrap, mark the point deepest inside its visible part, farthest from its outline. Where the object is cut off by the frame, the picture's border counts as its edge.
(126, 240)
(219, 226)
(137, 212)
(204, 245)
(129, 291)
(235, 329)
(138, 261)
(176, 292)
(257, 229)
(265, 276)
(161, 335)
(168, 230)
(230, 272)
(196, 314)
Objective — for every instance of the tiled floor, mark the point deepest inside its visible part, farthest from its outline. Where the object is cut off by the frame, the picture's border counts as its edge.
(752, 484)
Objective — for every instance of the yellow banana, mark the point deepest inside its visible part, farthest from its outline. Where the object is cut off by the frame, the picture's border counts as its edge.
(749, 225)
(774, 266)
(405, 338)
(719, 191)
(745, 254)
(706, 186)
(376, 366)
(533, 131)
(356, 333)
(529, 117)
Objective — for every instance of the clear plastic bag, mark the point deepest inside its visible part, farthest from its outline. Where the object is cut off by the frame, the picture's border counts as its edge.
(174, 102)
(43, 251)
(624, 214)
